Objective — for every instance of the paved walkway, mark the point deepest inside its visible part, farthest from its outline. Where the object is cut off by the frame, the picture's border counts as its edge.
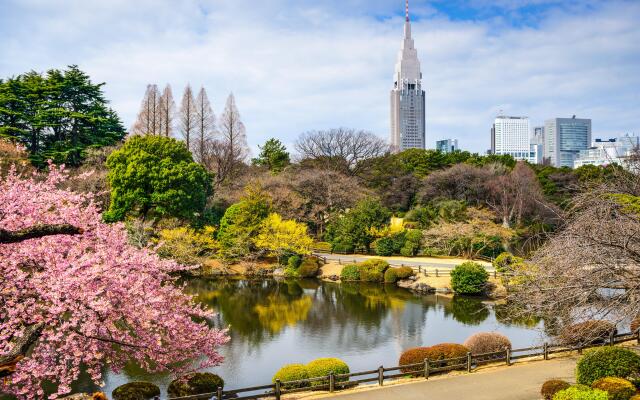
(428, 262)
(518, 382)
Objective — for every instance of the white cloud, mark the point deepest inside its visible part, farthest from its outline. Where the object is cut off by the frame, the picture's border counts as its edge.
(301, 65)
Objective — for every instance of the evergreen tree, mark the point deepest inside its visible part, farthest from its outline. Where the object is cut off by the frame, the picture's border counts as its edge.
(273, 155)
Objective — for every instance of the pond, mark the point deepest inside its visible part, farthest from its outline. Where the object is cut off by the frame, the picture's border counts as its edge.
(273, 323)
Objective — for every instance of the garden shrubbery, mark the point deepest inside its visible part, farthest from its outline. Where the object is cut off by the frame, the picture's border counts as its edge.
(350, 272)
(136, 391)
(309, 267)
(323, 366)
(292, 372)
(196, 383)
(391, 275)
(445, 351)
(551, 387)
(371, 270)
(587, 332)
(580, 392)
(413, 356)
(616, 388)
(606, 362)
(185, 245)
(487, 342)
(469, 278)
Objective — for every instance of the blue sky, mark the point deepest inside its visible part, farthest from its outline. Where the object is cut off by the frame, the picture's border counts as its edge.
(300, 65)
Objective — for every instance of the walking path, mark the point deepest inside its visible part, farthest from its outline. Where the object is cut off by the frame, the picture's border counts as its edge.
(429, 262)
(518, 382)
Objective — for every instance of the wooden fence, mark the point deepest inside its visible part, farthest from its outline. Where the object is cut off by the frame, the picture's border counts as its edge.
(373, 253)
(333, 382)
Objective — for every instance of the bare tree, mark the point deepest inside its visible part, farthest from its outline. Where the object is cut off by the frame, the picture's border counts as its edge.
(188, 116)
(340, 149)
(229, 152)
(166, 111)
(148, 120)
(205, 128)
(590, 269)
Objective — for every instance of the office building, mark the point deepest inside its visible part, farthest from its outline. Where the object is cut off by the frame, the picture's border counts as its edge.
(605, 152)
(564, 138)
(511, 135)
(447, 145)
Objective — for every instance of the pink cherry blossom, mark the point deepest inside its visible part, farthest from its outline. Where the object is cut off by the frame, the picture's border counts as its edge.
(102, 302)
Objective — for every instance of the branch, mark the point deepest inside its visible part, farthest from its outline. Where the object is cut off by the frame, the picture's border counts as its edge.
(9, 360)
(37, 231)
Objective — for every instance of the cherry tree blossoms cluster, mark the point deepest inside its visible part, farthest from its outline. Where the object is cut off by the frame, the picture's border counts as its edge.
(93, 299)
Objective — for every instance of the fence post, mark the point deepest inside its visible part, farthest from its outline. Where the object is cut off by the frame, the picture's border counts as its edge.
(612, 338)
(277, 390)
(495, 274)
(436, 272)
(546, 350)
(426, 368)
(419, 268)
(381, 375)
(332, 382)
(469, 361)
(339, 261)
(219, 393)
(508, 356)
(638, 335)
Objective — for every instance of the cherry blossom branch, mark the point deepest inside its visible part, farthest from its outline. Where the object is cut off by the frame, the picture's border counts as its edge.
(20, 349)
(37, 231)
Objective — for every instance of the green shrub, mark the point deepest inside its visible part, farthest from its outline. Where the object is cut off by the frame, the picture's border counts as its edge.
(580, 392)
(587, 332)
(323, 366)
(322, 246)
(136, 391)
(606, 361)
(350, 272)
(197, 383)
(342, 247)
(616, 388)
(292, 372)
(309, 267)
(291, 273)
(404, 272)
(294, 261)
(407, 251)
(444, 351)
(551, 387)
(385, 246)
(390, 276)
(375, 264)
(487, 342)
(371, 275)
(416, 355)
(469, 278)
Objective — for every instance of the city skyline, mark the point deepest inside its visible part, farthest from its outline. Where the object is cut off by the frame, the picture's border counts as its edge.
(288, 62)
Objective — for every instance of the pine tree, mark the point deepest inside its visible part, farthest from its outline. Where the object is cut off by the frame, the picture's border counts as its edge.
(187, 116)
(166, 108)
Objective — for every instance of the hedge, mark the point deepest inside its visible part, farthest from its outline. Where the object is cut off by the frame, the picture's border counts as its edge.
(445, 351)
(391, 275)
(413, 356)
(606, 361)
(136, 391)
(324, 366)
(580, 392)
(309, 267)
(196, 383)
(552, 386)
(487, 342)
(616, 388)
(350, 272)
(469, 278)
(292, 372)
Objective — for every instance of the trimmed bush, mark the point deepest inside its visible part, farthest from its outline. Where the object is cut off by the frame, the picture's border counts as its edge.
(390, 276)
(415, 355)
(136, 391)
(553, 386)
(616, 388)
(323, 366)
(294, 261)
(580, 392)
(350, 272)
(385, 246)
(445, 351)
(587, 332)
(404, 272)
(487, 342)
(292, 372)
(370, 275)
(469, 278)
(309, 267)
(606, 361)
(375, 264)
(197, 383)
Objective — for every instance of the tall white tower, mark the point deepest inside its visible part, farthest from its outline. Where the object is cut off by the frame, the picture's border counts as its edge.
(407, 96)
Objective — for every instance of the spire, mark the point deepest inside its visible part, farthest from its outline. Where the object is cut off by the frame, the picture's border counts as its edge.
(407, 11)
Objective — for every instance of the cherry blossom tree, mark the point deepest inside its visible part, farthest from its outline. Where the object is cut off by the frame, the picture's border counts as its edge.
(74, 294)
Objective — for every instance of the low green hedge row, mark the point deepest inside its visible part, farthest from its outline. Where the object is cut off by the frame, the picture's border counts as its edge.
(317, 368)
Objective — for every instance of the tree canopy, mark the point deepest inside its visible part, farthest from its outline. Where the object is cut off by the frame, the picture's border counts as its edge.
(156, 174)
(57, 115)
(273, 155)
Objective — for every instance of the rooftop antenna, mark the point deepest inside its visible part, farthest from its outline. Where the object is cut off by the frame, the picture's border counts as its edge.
(407, 11)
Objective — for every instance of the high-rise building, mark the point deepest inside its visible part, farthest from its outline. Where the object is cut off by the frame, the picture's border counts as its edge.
(447, 145)
(510, 135)
(564, 138)
(407, 96)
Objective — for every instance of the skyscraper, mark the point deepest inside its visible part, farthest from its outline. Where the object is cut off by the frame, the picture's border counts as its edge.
(511, 135)
(407, 96)
(447, 145)
(564, 138)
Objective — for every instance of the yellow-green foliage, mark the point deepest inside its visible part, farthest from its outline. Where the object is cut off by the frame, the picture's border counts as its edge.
(186, 245)
(391, 275)
(553, 386)
(324, 366)
(278, 236)
(292, 372)
(629, 203)
(616, 388)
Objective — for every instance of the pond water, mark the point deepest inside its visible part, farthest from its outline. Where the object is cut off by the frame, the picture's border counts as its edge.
(273, 323)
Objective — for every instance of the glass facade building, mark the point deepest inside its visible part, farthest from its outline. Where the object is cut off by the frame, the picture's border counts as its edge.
(564, 138)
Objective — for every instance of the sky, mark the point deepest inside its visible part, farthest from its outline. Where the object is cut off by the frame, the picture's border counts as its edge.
(301, 65)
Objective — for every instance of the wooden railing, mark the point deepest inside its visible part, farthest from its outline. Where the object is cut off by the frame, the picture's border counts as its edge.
(333, 382)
